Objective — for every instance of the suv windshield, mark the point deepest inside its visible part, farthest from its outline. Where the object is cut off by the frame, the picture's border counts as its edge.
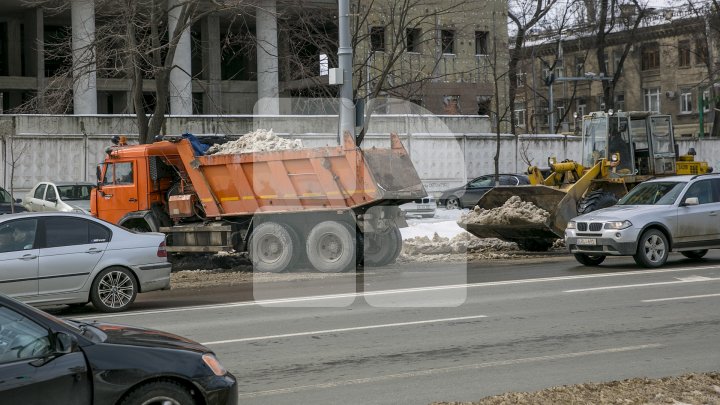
(654, 193)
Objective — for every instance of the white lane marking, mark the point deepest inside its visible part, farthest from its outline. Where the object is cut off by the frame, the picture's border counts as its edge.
(689, 297)
(434, 371)
(615, 287)
(396, 291)
(319, 332)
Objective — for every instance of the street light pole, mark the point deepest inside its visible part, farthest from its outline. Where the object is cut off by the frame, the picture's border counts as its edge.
(347, 107)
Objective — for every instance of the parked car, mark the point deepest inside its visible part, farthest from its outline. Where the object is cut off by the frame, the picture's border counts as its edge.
(468, 195)
(8, 204)
(47, 360)
(424, 207)
(66, 258)
(59, 196)
(672, 213)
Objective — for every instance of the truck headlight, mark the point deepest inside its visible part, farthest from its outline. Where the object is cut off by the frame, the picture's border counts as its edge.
(570, 225)
(618, 224)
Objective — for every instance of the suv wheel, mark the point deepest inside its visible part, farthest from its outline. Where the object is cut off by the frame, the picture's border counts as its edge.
(695, 254)
(652, 250)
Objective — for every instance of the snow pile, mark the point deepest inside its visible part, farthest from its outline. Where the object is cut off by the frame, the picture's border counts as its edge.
(514, 212)
(260, 140)
(420, 246)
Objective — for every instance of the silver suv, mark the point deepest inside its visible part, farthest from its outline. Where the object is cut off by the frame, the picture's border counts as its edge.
(677, 213)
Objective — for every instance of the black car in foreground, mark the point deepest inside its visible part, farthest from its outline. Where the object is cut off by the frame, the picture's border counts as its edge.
(468, 195)
(47, 360)
(8, 204)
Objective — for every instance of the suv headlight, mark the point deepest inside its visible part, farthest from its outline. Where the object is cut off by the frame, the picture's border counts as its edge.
(570, 225)
(618, 224)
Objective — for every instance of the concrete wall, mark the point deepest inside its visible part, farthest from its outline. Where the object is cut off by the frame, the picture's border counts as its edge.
(446, 150)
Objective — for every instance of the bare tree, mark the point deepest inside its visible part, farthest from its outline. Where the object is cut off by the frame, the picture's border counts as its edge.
(15, 149)
(524, 15)
(132, 41)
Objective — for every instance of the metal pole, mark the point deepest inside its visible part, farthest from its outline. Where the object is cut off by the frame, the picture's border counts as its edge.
(347, 107)
(551, 107)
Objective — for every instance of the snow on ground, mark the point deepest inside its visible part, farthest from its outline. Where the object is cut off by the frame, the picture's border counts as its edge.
(444, 224)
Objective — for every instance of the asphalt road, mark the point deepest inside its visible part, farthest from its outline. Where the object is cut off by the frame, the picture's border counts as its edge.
(424, 333)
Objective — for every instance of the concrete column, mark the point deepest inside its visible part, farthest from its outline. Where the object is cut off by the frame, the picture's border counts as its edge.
(14, 49)
(180, 76)
(82, 13)
(35, 51)
(267, 58)
(211, 56)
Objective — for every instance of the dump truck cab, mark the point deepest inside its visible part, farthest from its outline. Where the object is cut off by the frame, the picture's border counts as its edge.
(131, 182)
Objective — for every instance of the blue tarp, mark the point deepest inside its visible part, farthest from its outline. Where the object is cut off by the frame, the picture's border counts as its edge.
(198, 147)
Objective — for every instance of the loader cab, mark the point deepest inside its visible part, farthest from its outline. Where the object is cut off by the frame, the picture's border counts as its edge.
(644, 142)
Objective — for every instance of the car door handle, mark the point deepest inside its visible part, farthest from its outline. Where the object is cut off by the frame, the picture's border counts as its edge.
(28, 257)
(93, 250)
(133, 200)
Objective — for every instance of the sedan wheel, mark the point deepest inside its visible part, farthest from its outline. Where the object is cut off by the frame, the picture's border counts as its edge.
(452, 203)
(113, 290)
(652, 249)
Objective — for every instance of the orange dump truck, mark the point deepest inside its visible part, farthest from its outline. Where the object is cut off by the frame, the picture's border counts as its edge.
(330, 207)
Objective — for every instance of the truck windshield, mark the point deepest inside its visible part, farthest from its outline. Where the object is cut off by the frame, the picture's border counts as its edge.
(594, 140)
(653, 193)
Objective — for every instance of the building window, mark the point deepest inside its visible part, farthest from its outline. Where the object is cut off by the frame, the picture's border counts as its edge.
(451, 105)
(481, 42)
(686, 101)
(620, 101)
(650, 57)
(579, 66)
(684, 53)
(484, 107)
(652, 99)
(560, 108)
(413, 39)
(448, 41)
(520, 114)
(377, 38)
(581, 107)
(521, 79)
(701, 51)
(706, 101)
(559, 70)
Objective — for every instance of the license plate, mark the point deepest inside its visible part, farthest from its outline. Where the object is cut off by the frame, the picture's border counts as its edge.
(587, 242)
(423, 206)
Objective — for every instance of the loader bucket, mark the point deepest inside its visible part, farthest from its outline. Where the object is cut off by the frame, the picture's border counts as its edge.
(528, 236)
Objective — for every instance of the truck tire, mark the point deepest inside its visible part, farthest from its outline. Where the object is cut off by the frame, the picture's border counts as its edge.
(588, 260)
(330, 247)
(695, 254)
(382, 248)
(533, 245)
(271, 247)
(596, 200)
(652, 250)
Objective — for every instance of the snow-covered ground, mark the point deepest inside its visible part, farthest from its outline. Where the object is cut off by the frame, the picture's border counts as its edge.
(444, 224)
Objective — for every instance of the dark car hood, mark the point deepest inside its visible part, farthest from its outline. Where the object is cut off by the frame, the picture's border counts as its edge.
(129, 335)
(5, 208)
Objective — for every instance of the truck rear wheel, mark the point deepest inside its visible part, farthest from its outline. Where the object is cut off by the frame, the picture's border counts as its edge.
(330, 247)
(271, 247)
(382, 248)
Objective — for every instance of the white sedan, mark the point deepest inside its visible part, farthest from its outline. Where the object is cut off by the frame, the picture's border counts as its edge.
(59, 196)
(66, 258)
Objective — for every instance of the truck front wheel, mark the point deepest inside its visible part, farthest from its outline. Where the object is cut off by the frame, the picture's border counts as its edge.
(271, 247)
(330, 247)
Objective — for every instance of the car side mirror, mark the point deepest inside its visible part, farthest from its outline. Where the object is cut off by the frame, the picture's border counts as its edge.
(65, 343)
(691, 201)
(18, 201)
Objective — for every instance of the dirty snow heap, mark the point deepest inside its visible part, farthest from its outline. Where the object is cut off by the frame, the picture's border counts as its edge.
(513, 212)
(260, 140)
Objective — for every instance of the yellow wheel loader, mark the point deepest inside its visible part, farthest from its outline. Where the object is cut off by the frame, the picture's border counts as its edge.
(619, 151)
